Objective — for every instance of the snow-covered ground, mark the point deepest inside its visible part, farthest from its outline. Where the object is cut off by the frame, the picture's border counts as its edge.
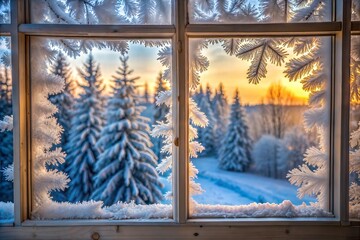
(234, 188)
(227, 194)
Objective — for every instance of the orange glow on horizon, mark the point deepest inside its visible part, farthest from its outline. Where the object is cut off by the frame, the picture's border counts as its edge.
(231, 71)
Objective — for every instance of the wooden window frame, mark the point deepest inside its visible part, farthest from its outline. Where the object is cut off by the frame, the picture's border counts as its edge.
(340, 29)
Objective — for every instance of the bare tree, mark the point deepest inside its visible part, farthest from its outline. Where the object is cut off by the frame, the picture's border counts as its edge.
(278, 100)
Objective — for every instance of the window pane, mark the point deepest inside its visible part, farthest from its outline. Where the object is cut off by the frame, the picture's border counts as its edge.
(6, 135)
(259, 127)
(355, 10)
(99, 155)
(354, 190)
(102, 12)
(258, 11)
(5, 11)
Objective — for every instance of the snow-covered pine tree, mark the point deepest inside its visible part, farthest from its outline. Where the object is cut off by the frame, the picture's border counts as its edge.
(235, 151)
(86, 124)
(64, 100)
(6, 146)
(207, 134)
(64, 103)
(221, 113)
(159, 115)
(126, 166)
(198, 94)
(208, 93)
(146, 93)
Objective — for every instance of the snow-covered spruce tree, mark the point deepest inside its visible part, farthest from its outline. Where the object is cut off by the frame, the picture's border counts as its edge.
(220, 109)
(198, 94)
(146, 99)
(165, 128)
(207, 134)
(86, 125)
(64, 103)
(159, 115)
(126, 166)
(63, 100)
(235, 151)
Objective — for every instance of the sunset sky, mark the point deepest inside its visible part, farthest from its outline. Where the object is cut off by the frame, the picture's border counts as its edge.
(229, 70)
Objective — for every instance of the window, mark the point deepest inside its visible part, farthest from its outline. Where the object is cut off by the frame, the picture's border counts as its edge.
(354, 199)
(6, 148)
(182, 114)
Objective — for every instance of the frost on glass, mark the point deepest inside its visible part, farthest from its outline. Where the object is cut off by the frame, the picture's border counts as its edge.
(4, 11)
(355, 16)
(258, 11)
(6, 135)
(259, 127)
(101, 124)
(354, 191)
(102, 12)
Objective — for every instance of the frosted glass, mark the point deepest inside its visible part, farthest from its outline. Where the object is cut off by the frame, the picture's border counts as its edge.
(101, 122)
(258, 11)
(140, 12)
(260, 112)
(354, 190)
(5, 11)
(6, 134)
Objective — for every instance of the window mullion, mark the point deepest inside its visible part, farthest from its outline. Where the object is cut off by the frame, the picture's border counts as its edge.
(183, 114)
(269, 29)
(21, 164)
(345, 110)
(341, 110)
(127, 31)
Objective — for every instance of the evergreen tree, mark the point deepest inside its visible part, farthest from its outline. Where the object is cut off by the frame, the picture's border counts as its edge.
(63, 100)
(207, 134)
(126, 167)
(198, 95)
(208, 93)
(221, 112)
(85, 130)
(6, 146)
(235, 153)
(64, 103)
(146, 93)
(160, 114)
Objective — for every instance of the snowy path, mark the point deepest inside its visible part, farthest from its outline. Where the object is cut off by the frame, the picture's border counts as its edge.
(233, 188)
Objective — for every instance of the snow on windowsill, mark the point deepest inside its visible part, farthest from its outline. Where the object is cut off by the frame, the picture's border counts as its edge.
(258, 210)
